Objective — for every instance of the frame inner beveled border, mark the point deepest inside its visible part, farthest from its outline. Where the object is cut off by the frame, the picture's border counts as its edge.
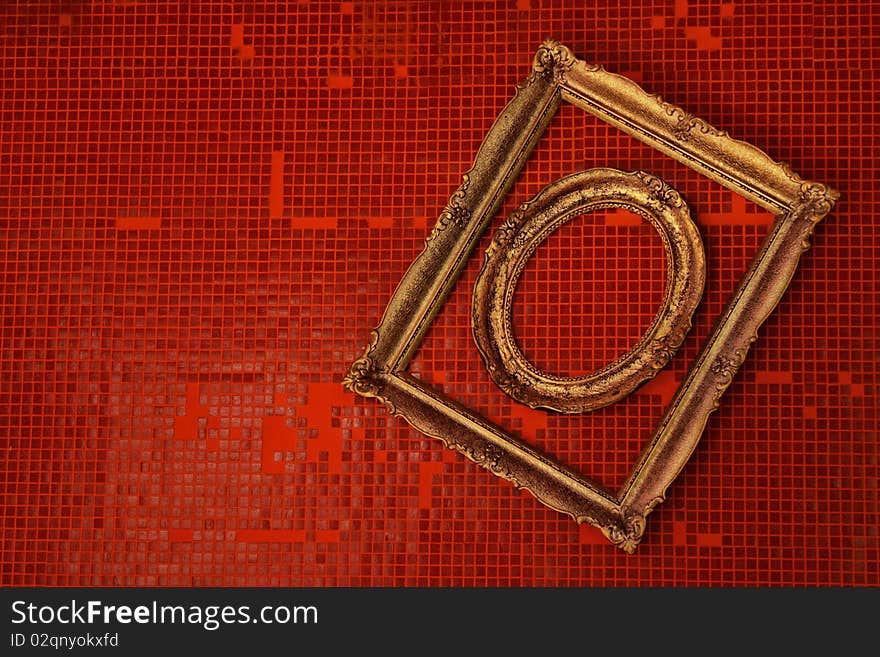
(558, 76)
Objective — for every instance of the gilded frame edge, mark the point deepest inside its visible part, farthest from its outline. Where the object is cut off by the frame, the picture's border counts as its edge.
(556, 76)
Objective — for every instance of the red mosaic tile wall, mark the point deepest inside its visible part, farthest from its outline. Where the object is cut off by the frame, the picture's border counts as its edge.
(205, 206)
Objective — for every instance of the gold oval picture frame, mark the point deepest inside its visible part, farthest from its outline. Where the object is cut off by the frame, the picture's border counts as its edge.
(514, 244)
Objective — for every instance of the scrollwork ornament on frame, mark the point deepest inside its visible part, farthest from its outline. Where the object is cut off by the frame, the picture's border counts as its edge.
(455, 213)
(553, 61)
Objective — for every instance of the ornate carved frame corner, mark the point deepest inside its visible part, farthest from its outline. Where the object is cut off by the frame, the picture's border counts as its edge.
(558, 76)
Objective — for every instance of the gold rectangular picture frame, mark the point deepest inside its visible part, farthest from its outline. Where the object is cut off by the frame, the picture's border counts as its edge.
(558, 76)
